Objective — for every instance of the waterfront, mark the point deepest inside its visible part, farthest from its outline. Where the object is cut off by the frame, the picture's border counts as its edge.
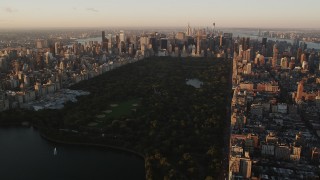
(24, 154)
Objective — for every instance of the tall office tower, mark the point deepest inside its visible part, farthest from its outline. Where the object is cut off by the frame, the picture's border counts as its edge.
(117, 40)
(299, 52)
(221, 41)
(243, 43)
(263, 50)
(47, 58)
(56, 47)
(110, 43)
(110, 38)
(103, 36)
(275, 55)
(264, 42)
(189, 31)
(134, 42)
(240, 50)
(299, 91)
(247, 43)
(104, 41)
(75, 48)
(227, 40)
(122, 36)
(122, 47)
(153, 42)
(198, 43)
(211, 44)
(16, 66)
(3, 64)
(164, 43)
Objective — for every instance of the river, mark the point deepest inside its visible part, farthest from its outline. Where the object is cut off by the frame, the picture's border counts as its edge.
(250, 34)
(24, 154)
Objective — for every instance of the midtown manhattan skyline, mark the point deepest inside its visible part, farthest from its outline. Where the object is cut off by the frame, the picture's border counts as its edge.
(143, 13)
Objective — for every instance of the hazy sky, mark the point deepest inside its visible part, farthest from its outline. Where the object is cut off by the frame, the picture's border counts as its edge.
(169, 13)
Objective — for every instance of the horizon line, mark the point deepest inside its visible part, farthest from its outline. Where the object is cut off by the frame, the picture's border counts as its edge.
(155, 27)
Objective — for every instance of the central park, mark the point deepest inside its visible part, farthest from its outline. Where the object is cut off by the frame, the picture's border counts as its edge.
(149, 107)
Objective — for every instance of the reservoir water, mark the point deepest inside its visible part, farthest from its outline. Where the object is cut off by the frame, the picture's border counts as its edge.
(24, 154)
(194, 82)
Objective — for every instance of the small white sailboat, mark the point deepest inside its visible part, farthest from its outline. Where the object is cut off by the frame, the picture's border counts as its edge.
(55, 151)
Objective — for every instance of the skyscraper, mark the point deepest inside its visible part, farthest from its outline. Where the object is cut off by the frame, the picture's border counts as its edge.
(245, 168)
(104, 41)
(198, 43)
(56, 48)
(303, 58)
(164, 43)
(275, 56)
(189, 31)
(143, 40)
(122, 36)
(103, 36)
(299, 91)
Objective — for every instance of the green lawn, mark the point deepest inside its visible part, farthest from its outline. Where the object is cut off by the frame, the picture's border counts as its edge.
(115, 110)
(120, 109)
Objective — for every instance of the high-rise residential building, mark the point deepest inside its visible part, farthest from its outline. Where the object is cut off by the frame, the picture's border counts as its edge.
(247, 55)
(180, 36)
(305, 65)
(240, 50)
(245, 167)
(299, 91)
(110, 38)
(110, 43)
(284, 63)
(259, 60)
(292, 63)
(164, 43)
(303, 58)
(153, 42)
(144, 40)
(249, 68)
